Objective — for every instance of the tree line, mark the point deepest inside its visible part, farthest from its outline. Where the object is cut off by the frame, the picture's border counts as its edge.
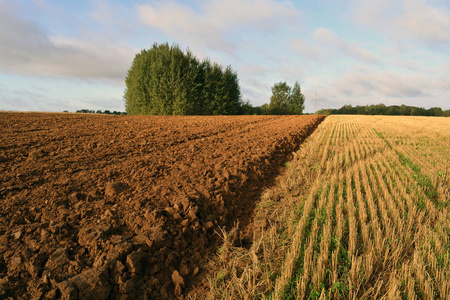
(164, 80)
(105, 112)
(381, 109)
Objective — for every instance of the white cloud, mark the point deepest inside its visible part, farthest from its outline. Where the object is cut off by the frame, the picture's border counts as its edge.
(431, 24)
(308, 50)
(27, 49)
(211, 23)
(363, 82)
(329, 38)
(406, 22)
(376, 13)
(104, 13)
(266, 15)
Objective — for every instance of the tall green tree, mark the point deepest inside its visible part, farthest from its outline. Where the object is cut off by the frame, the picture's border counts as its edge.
(279, 101)
(296, 100)
(286, 100)
(164, 80)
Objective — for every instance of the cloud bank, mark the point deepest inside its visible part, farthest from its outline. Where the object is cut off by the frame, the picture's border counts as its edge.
(216, 24)
(28, 49)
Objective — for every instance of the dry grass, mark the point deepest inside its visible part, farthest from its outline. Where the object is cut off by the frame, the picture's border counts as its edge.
(362, 212)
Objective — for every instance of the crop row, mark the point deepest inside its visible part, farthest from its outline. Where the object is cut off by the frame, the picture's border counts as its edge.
(363, 212)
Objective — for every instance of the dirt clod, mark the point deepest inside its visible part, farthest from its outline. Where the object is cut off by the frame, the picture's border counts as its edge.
(134, 262)
(178, 281)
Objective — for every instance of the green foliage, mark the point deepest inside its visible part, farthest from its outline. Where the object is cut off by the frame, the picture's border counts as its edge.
(279, 100)
(297, 100)
(285, 100)
(381, 109)
(164, 80)
(264, 109)
(380, 134)
(423, 181)
(248, 109)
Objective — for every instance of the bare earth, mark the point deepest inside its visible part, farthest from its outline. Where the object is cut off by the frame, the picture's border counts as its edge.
(121, 207)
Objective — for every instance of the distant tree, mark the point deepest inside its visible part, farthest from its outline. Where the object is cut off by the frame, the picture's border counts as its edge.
(85, 111)
(279, 101)
(393, 110)
(378, 109)
(347, 110)
(264, 109)
(361, 110)
(286, 100)
(404, 110)
(418, 111)
(327, 111)
(296, 100)
(248, 109)
(381, 109)
(436, 111)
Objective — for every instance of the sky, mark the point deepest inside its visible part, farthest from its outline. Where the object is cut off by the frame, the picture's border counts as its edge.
(70, 55)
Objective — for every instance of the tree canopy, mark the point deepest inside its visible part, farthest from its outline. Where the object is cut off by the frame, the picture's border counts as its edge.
(285, 100)
(164, 80)
(381, 109)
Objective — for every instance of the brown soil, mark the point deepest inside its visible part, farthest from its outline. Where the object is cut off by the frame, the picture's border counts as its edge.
(121, 207)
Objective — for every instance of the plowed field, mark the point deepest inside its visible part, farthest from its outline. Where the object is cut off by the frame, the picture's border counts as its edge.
(97, 207)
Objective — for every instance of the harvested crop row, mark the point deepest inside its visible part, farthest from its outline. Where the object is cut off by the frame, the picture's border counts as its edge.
(363, 212)
(105, 206)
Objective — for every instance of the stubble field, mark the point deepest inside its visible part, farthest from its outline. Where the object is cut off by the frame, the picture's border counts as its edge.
(119, 207)
(363, 212)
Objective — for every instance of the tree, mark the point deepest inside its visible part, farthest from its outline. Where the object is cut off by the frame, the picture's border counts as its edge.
(279, 101)
(248, 109)
(265, 109)
(296, 100)
(436, 111)
(286, 100)
(164, 80)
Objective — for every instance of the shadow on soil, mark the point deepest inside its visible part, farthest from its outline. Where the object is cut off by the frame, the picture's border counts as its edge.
(242, 200)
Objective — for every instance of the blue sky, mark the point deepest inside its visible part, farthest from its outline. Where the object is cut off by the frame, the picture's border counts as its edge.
(69, 55)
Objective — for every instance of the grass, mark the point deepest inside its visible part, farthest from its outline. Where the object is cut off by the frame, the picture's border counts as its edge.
(362, 211)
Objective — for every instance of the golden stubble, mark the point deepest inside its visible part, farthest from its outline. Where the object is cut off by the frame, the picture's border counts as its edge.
(363, 211)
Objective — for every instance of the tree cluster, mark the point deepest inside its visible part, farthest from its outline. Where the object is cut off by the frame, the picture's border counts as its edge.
(381, 109)
(106, 112)
(285, 100)
(164, 80)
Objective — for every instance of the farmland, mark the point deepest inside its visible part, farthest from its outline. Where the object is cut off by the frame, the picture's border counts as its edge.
(96, 206)
(362, 212)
